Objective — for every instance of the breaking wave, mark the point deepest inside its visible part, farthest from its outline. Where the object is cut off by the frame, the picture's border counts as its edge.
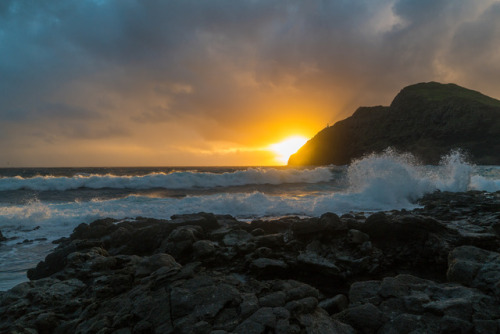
(174, 180)
(377, 182)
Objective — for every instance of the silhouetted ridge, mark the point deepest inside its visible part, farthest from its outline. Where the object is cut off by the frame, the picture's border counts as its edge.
(426, 119)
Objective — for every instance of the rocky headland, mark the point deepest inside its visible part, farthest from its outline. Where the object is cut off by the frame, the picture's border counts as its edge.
(426, 119)
(435, 269)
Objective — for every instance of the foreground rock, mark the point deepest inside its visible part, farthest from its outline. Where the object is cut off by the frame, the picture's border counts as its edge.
(431, 270)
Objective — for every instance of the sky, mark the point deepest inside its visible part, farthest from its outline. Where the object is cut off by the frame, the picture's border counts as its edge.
(216, 82)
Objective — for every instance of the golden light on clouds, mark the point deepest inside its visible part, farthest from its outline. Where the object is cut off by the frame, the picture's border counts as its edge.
(287, 147)
(170, 83)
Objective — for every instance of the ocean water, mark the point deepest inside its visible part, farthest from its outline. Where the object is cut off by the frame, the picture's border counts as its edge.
(39, 205)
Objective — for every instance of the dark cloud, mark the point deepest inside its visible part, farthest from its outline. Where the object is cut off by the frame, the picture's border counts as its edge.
(222, 69)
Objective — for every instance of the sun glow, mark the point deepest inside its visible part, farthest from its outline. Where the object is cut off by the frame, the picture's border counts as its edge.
(287, 147)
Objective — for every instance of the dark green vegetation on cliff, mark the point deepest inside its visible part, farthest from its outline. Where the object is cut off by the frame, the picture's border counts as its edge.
(426, 119)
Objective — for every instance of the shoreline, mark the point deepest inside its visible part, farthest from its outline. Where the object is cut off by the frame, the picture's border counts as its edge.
(205, 273)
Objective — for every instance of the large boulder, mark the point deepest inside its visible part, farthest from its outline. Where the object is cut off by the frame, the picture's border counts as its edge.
(475, 267)
(406, 303)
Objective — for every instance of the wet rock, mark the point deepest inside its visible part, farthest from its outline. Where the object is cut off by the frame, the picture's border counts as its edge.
(365, 291)
(318, 322)
(257, 232)
(203, 248)
(207, 221)
(227, 319)
(297, 290)
(249, 304)
(366, 318)
(476, 268)
(357, 237)
(147, 238)
(273, 300)
(304, 305)
(258, 322)
(405, 302)
(408, 227)
(326, 224)
(53, 262)
(180, 241)
(46, 323)
(270, 240)
(450, 324)
(335, 304)
(154, 262)
(315, 262)
(203, 273)
(94, 230)
(236, 237)
(271, 227)
(268, 264)
(2, 238)
(201, 301)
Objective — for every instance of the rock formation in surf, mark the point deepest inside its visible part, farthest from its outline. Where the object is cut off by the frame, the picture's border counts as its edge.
(425, 119)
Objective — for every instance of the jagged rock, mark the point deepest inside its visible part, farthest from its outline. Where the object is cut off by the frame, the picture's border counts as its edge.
(357, 237)
(236, 237)
(366, 318)
(269, 264)
(249, 305)
(405, 302)
(257, 322)
(219, 277)
(207, 221)
(318, 322)
(329, 223)
(201, 301)
(154, 262)
(53, 262)
(476, 268)
(316, 262)
(203, 248)
(335, 304)
(180, 241)
(2, 238)
(304, 305)
(270, 227)
(274, 299)
(297, 290)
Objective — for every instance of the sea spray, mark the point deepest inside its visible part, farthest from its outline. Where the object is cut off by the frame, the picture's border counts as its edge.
(454, 172)
(376, 182)
(40, 209)
(389, 177)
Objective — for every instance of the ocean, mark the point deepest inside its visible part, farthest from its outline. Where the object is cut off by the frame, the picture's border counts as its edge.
(40, 205)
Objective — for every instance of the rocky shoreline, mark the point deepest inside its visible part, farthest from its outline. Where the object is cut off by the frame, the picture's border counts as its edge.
(435, 269)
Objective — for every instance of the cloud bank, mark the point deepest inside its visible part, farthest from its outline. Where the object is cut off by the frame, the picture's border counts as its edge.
(129, 82)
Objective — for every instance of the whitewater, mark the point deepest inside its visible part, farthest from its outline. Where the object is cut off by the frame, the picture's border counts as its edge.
(38, 206)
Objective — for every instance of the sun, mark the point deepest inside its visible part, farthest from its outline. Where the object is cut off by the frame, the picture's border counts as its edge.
(285, 148)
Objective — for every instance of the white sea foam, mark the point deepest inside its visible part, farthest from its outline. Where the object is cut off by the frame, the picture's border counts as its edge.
(377, 182)
(174, 180)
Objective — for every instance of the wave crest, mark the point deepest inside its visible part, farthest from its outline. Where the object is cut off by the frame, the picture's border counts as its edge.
(174, 180)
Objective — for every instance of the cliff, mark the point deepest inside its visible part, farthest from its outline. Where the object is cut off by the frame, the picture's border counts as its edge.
(426, 119)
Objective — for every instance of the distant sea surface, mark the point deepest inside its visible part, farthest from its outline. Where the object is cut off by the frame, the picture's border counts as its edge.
(39, 205)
